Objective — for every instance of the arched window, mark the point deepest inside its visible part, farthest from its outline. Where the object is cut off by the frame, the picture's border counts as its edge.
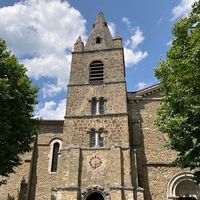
(183, 187)
(55, 147)
(96, 138)
(92, 138)
(101, 105)
(97, 105)
(101, 137)
(96, 72)
(54, 163)
(94, 106)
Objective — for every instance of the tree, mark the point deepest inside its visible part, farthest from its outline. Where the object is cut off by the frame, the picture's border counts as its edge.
(17, 100)
(179, 76)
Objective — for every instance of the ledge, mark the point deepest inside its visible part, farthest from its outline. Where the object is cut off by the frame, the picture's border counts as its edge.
(96, 148)
(96, 116)
(140, 98)
(97, 84)
(121, 187)
(159, 164)
(69, 187)
(76, 187)
(98, 50)
(51, 122)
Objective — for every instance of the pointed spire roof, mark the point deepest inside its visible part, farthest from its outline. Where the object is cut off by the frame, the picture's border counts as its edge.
(79, 40)
(78, 46)
(100, 18)
(100, 37)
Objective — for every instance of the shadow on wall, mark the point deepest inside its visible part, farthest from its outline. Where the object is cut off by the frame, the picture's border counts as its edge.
(10, 197)
(53, 197)
(22, 194)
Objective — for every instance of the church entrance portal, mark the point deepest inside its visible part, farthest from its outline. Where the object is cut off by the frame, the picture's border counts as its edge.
(95, 196)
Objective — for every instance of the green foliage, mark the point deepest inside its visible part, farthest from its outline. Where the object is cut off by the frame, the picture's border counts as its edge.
(179, 75)
(17, 101)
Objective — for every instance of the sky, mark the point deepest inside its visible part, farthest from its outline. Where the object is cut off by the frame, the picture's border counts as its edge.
(41, 33)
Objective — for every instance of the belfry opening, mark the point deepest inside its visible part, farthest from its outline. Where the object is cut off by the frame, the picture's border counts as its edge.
(95, 196)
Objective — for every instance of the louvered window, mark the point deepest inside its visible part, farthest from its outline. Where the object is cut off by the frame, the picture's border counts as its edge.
(96, 72)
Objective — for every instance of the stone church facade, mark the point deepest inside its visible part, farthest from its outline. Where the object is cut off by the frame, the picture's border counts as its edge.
(107, 147)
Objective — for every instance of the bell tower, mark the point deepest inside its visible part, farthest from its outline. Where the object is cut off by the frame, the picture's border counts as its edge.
(96, 136)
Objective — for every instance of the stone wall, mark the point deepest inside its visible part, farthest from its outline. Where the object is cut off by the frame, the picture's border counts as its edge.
(77, 130)
(113, 65)
(79, 98)
(44, 179)
(154, 161)
(17, 183)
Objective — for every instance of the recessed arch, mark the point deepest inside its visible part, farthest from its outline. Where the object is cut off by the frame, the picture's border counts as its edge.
(55, 147)
(183, 187)
(95, 193)
(56, 139)
(95, 196)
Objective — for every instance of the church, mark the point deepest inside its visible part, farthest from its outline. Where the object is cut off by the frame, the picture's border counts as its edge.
(107, 147)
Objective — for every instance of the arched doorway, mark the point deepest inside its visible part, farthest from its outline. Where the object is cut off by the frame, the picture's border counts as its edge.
(95, 196)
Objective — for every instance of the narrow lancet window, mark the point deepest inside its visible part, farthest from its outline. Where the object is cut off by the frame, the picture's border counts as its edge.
(55, 152)
(101, 105)
(97, 106)
(96, 138)
(94, 106)
(93, 138)
(101, 138)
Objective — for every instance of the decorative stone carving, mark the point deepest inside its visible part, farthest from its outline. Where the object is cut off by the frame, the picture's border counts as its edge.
(105, 192)
(95, 162)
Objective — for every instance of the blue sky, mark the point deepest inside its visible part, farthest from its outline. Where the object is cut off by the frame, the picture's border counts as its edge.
(41, 33)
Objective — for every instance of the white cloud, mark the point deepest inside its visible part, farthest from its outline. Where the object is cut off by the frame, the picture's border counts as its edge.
(50, 66)
(137, 38)
(112, 28)
(141, 85)
(52, 110)
(133, 55)
(128, 23)
(50, 90)
(39, 32)
(182, 9)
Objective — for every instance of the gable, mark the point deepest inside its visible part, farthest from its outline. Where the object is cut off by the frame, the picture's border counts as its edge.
(152, 92)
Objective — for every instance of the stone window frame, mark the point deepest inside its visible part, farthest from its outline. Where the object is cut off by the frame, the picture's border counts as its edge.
(51, 145)
(96, 104)
(96, 135)
(175, 181)
(96, 72)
